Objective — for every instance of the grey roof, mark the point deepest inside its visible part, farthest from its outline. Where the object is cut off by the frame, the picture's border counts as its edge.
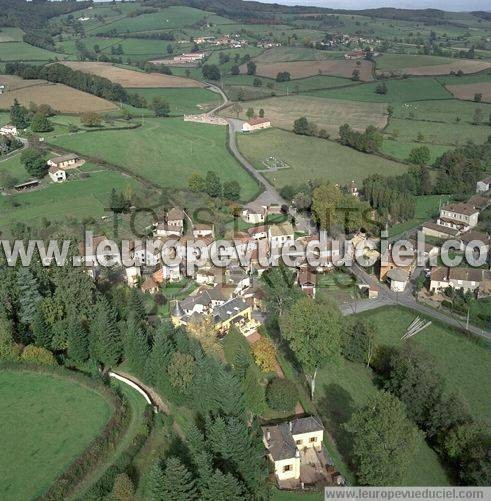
(280, 441)
(177, 311)
(306, 425)
(398, 275)
(431, 225)
(229, 309)
(64, 158)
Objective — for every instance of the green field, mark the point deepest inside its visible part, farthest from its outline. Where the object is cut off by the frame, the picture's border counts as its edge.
(389, 62)
(166, 152)
(75, 198)
(410, 89)
(45, 423)
(10, 34)
(312, 158)
(427, 206)
(14, 167)
(463, 363)
(21, 51)
(343, 386)
(280, 54)
(182, 101)
(401, 150)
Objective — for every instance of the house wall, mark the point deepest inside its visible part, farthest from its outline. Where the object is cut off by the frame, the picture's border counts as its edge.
(434, 233)
(482, 187)
(293, 473)
(305, 439)
(253, 218)
(397, 286)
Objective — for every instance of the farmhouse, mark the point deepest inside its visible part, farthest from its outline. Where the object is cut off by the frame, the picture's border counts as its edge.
(459, 216)
(432, 229)
(398, 279)
(56, 174)
(8, 130)
(175, 218)
(467, 279)
(256, 124)
(483, 185)
(254, 213)
(295, 449)
(357, 54)
(190, 58)
(258, 232)
(203, 230)
(68, 161)
(280, 234)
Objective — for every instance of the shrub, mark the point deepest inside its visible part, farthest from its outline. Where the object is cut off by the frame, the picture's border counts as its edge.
(264, 353)
(38, 355)
(281, 395)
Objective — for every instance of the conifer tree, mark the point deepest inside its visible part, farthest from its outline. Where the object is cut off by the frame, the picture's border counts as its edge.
(178, 483)
(105, 339)
(78, 342)
(41, 331)
(158, 360)
(155, 482)
(136, 348)
(135, 305)
(29, 295)
(223, 487)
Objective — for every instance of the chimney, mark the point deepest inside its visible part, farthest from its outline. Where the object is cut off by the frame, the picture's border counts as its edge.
(291, 426)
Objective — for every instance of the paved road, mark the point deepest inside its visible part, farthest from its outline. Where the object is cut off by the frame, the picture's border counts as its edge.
(406, 299)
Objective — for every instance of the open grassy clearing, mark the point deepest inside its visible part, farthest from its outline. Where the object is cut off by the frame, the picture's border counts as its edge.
(165, 151)
(130, 78)
(280, 54)
(427, 206)
(10, 34)
(328, 114)
(465, 65)
(406, 90)
(312, 158)
(442, 133)
(468, 91)
(394, 62)
(483, 76)
(78, 198)
(21, 51)
(60, 97)
(14, 167)
(169, 18)
(463, 363)
(341, 387)
(45, 423)
(401, 150)
(182, 101)
(303, 69)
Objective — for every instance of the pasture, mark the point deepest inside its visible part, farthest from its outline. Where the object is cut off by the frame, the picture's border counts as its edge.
(21, 51)
(326, 113)
(79, 197)
(165, 151)
(464, 65)
(468, 91)
(131, 78)
(10, 34)
(463, 363)
(285, 53)
(182, 101)
(401, 150)
(60, 97)
(13, 167)
(311, 158)
(303, 69)
(406, 90)
(45, 423)
(399, 62)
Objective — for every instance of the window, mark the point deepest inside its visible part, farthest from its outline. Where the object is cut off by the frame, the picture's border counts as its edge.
(298, 442)
(287, 467)
(313, 439)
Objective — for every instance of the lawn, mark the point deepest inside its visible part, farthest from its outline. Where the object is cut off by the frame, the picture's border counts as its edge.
(182, 101)
(77, 198)
(343, 386)
(410, 89)
(165, 151)
(21, 51)
(14, 167)
(427, 206)
(312, 158)
(45, 423)
(462, 362)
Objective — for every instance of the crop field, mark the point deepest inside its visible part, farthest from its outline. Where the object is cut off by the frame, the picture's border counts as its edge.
(441, 133)
(326, 113)
(15, 51)
(182, 101)
(169, 18)
(130, 78)
(467, 91)
(406, 90)
(60, 97)
(312, 158)
(465, 65)
(45, 423)
(281, 54)
(165, 151)
(462, 363)
(78, 198)
(303, 69)
(13, 82)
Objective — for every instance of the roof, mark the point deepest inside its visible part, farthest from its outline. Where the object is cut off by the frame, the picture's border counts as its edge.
(460, 208)
(479, 201)
(258, 121)
(176, 310)
(175, 214)
(64, 158)
(95, 242)
(439, 274)
(466, 274)
(431, 225)
(203, 226)
(257, 229)
(254, 208)
(306, 277)
(280, 441)
(229, 309)
(306, 425)
(282, 229)
(398, 275)
(486, 180)
(53, 169)
(468, 236)
(149, 284)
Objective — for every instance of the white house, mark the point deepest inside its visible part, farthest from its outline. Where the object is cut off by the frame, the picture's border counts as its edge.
(467, 279)
(133, 274)
(68, 161)
(8, 130)
(280, 234)
(254, 213)
(258, 232)
(146, 255)
(398, 279)
(293, 445)
(483, 185)
(458, 216)
(175, 219)
(203, 230)
(57, 175)
(256, 124)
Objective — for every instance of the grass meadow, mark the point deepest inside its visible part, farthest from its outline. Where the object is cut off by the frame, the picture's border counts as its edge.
(45, 423)
(165, 151)
(15, 51)
(394, 62)
(312, 158)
